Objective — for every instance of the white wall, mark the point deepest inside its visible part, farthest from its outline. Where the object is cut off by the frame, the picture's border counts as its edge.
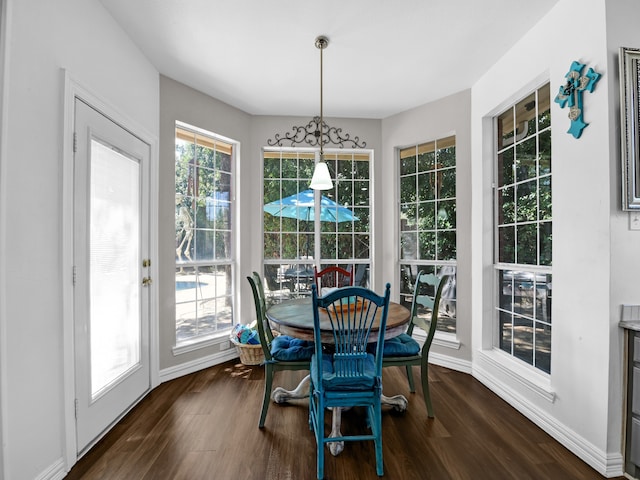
(45, 38)
(581, 404)
(622, 31)
(448, 116)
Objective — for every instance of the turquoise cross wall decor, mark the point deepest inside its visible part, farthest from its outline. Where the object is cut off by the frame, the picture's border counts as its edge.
(571, 94)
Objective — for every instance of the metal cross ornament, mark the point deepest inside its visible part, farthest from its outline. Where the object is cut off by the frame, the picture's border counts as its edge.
(571, 94)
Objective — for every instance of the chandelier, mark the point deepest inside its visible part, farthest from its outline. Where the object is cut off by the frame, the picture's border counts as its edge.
(317, 133)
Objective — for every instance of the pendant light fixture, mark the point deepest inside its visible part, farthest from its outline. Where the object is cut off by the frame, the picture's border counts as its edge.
(316, 133)
(321, 179)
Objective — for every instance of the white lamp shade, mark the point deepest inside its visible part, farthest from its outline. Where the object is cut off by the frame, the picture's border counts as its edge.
(321, 179)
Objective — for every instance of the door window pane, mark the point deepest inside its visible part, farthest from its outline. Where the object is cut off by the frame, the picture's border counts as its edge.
(114, 265)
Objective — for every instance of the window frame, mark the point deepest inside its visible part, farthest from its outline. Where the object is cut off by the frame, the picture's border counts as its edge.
(279, 293)
(217, 334)
(447, 329)
(537, 270)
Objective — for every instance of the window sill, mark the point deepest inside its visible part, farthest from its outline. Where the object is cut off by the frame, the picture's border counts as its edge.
(447, 340)
(201, 342)
(505, 365)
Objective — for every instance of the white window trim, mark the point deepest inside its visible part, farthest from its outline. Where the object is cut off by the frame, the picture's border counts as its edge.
(527, 374)
(328, 151)
(218, 337)
(491, 366)
(198, 343)
(512, 370)
(442, 339)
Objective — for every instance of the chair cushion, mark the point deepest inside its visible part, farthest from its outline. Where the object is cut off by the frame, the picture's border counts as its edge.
(290, 349)
(331, 381)
(401, 346)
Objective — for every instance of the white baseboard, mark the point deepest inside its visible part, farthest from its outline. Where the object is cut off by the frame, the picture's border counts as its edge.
(452, 363)
(196, 365)
(609, 465)
(56, 471)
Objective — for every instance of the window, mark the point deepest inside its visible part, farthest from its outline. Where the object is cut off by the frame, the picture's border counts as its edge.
(522, 212)
(204, 236)
(428, 221)
(295, 241)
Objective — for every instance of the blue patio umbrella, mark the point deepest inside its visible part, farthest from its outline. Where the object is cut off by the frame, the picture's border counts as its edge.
(301, 206)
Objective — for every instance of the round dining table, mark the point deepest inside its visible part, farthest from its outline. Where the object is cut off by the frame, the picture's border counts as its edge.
(295, 318)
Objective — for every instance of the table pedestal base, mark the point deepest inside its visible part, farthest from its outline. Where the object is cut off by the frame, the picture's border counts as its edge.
(280, 395)
(397, 402)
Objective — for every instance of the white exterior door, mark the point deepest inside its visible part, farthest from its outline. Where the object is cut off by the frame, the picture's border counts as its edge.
(111, 252)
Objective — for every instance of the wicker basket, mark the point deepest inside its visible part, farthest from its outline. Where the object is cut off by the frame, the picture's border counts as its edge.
(249, 354)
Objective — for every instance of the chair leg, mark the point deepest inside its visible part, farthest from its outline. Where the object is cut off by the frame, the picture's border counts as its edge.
(320, 468)
(412, 387)
(318, 427)
(268, 381)
(424, 374)
(376, 413)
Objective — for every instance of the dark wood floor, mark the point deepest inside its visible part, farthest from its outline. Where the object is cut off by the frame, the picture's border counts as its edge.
(204, 426)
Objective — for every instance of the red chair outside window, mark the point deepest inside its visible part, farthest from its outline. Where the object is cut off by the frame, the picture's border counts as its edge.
(332, 277)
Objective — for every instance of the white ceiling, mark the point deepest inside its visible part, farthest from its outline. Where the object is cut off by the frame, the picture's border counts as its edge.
(383, 57)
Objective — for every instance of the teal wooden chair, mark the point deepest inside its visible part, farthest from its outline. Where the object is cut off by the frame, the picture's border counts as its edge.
(281, 352)
(404, 350)
(343, 372)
